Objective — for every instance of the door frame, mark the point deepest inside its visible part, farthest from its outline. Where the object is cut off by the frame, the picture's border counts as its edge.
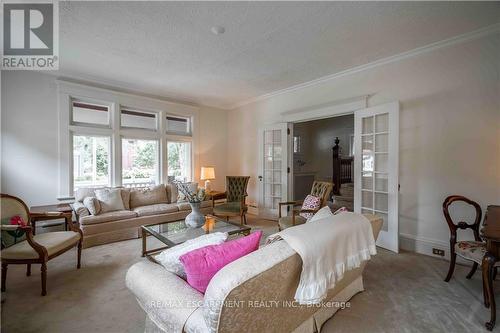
(329, 110)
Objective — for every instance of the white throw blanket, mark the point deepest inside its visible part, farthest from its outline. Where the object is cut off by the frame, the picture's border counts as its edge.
(328, 247)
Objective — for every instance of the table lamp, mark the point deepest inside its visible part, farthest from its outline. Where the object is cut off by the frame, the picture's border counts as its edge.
(207, 174)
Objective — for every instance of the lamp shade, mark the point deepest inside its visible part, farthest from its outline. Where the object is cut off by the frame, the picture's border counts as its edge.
(207, 173)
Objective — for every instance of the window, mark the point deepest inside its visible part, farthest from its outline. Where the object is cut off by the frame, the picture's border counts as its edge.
(87, 113)
(138, 119)
(119, 139)
(178, 125)
(179, 161)
(91, 161)
(139, 162)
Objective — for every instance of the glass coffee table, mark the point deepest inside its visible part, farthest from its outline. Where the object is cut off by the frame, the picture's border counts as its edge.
(176, 232)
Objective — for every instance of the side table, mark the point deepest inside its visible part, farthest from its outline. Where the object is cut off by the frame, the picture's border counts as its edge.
(51, 212)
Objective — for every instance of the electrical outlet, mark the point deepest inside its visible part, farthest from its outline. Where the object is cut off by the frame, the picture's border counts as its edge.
(438, 252)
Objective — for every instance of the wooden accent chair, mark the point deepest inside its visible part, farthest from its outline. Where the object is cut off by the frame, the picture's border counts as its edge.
(319, 189)
(469, 250)
(236, 193)
(20, 246)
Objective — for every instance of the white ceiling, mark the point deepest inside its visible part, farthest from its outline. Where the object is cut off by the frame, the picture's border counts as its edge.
(167, 49)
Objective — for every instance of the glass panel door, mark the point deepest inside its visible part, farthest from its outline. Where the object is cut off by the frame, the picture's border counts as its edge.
(273, 175)
(376, 168)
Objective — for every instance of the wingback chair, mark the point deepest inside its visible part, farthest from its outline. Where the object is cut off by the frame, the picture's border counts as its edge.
(236, 192)
(20, 246)
(471, 250)
(323, 190)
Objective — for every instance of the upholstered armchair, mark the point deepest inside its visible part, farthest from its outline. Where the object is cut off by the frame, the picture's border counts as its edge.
(319, 189)
(236, 193)
(20, 246)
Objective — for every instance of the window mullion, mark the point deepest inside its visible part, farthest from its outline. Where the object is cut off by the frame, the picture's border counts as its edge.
(116, 149)
(162, 129)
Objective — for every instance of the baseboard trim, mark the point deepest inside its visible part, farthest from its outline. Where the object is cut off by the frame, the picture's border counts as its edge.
(424, 246)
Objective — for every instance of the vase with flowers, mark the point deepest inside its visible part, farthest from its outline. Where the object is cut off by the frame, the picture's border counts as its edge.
(195, 219)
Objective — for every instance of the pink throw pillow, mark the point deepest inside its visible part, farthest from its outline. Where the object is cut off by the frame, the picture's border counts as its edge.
(203, 263)
(310, 202)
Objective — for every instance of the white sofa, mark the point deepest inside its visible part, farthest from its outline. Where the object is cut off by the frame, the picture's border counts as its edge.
(252, 294)
(143, 206)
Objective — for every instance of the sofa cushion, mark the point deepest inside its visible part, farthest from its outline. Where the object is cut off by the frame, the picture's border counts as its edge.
(107, 217)
(126, 197)
(229, 207)
(172, 193)
(186, 206)
(192, 188)
(156, 209)
(148, 196)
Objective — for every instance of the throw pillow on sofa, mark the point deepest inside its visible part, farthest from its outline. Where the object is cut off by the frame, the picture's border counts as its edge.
(109, 199)
(193, 188)
(202, 264)
(92, 204)
(170, 257)
(148, 196)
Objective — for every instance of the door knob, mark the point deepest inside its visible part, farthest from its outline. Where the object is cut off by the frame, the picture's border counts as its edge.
(260, 178)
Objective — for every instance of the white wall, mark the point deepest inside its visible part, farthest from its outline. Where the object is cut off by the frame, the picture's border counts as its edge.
(449, 128)
(29, 127)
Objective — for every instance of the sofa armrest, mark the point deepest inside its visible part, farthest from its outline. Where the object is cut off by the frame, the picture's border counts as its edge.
(166, 298)
(79, 209)
(237, 273)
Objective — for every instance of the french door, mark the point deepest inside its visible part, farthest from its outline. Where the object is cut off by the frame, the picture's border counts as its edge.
(273, 168)
(376, 140)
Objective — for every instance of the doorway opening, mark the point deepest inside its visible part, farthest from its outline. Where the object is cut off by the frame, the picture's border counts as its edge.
(323, 150)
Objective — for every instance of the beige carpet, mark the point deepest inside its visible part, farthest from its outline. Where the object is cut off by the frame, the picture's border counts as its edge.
(404, 293)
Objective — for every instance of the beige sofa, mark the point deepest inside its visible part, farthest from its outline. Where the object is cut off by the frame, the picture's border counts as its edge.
(143, 206)
(252, 294)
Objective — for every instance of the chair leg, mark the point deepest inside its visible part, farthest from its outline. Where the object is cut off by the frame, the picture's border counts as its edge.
(28, 270)
(495, 273)
(245, 218)
(241, 219)
(44, 278)
(453, 258)
(78, 265)
(4, 275)
(227, 218)
(472, 271)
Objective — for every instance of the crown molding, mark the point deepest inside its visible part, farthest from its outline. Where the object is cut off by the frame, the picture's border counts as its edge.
(489, 30)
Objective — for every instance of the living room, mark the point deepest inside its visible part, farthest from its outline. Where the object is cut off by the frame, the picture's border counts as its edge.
(163, 122)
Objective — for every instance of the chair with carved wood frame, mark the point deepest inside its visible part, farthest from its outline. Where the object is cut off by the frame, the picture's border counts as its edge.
(323, 190)
(235, 195)
(469, 250)
(34, 249)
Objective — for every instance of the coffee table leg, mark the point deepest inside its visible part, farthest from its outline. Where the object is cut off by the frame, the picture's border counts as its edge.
(144, 235)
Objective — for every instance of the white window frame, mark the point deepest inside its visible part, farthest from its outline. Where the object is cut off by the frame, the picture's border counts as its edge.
(86, 132)
(69, 91)
(179, 138)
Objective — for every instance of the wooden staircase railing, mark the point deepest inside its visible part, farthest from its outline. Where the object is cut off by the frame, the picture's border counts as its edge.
(342, 170)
